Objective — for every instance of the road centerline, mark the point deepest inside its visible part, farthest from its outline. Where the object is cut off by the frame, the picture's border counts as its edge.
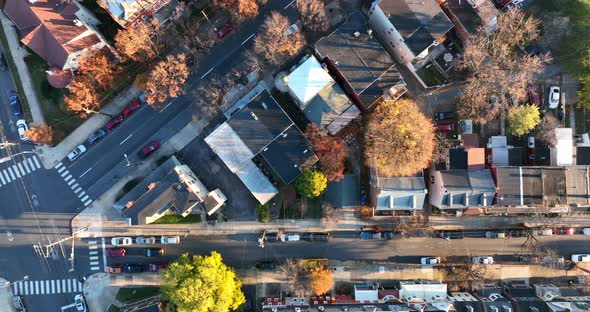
(127, 138)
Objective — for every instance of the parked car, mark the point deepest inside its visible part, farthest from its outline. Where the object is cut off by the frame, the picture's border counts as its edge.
(116, 252)
(166, 240)
(553, 97)
(17, 302)
(444, 115)
(546, 232)
(114, 269)
(490, 234)
(586, 231)
(15, 106)
(225, 29)
(564, 231)
(79, 150)
(452, 235)
(315, 237)
(155, 267)
(533, 92)
(266, 265)
(132, 268)
(292, 29)
(154, 252)
(80, 303)
(121, 241)
(148, 149)
(96, 136)
(445, 127)
(114, 122)
(145, 240)
(131, 108)
(370, 235)
(388, 235)
(289, 237)
(22, 127)
(430, 260)
(581, 258)
(483, 260)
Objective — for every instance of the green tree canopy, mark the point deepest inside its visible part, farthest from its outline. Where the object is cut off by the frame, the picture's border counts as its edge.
(522, 119)
(201, 284)
(311, 183)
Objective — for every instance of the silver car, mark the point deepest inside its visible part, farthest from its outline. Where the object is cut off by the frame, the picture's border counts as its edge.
(553, 97)
(145, 240)
(79, 150)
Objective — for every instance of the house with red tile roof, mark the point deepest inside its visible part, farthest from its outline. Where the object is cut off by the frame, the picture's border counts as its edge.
(130, 13)
(60, 33)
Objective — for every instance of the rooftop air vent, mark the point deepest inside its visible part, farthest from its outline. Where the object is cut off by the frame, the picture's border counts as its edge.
(356, 34)
(253, 115)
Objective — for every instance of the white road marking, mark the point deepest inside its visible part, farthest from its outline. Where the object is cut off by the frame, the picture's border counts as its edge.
(81, 194)
(207, 73)
(53, 286)
(58, 165)
(65, 173)
(73, 187)
(92, 247)
(26, 166)
(93, 252)
(252, 35)
(22, 171)
(85, 198)
(2, 179)
(72, 181)
(47, 286)
(104, 255)
(15, 171)
(58, 290)
(69, 285)
(6, 175)
(94, 263)
(93, 258)
(88, 202)
(26, 288)
(71, 305)
(11, 173)
(36, 162)
(42, 287)
(85, 172)
(66, 179)
(61, 169)
(36, 287)
(94, 268)
(32, 165)
(77, 190)
(92, 242)
(63, 285)
(127, 138)
(288, 5)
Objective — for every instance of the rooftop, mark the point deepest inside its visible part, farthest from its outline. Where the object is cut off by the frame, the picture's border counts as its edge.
(531, 186)
(473, 14)
(307, 80)
(400, 193)
(360, 58)
(578, 185)
(419, 22)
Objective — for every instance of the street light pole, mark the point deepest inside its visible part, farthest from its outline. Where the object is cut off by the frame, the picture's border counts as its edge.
(7, 283)
(127, 159)
(207, 18)
(8, 158)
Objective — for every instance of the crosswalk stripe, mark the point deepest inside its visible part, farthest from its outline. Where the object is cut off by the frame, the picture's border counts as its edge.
(22, 171)
(77, 190)
(93, 252)
(61, 169)
(69, 282)
(94, 268)
(53, 286)
(31, 164)
(63, 285)
(93, 258)
(24, 162)
(36, 287)
(11, 173)
(92, 242)
(94, 263)
(42, 287)
(47, 286)
(88, 202)
(6, 175)
(72, 181)
(92, 247)
(65, 173)
(81, 194)
(84, 198)
(2, 179)
(58, 290)
(36, 162)
(75, 186)
(26, 285)
(58, 165)
(80, 288)
(15, 171)
(68, 178)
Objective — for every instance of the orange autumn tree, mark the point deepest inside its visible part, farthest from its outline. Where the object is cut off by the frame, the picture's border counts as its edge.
(321, 280)
(141, 43)
(166, 79)
(82, 97)
(331, 152)
(247, 8)
(399, 139)
(41, 134)
(100, 69)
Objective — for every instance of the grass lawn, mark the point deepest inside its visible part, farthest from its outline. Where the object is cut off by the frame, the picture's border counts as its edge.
(14, 72)
(51, 99)
(133, 294)
(178, 219)
(113, 308)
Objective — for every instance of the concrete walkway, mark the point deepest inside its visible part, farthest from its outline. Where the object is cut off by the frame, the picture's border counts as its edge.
(18, 53)
(6, 304)
(100, 289)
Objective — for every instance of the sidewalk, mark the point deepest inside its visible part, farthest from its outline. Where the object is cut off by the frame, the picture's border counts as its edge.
(18, 53)
(100, 214)
(6, 297)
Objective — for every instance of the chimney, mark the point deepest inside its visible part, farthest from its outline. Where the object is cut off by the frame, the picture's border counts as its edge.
(469, 308)
(129, 204)
(506, 308)
(76, 21)
(32, 1)
(494, 309)
(151, 186)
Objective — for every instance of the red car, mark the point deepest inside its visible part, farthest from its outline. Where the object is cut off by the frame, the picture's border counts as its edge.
(116, 252)
(131, 108)
(225, 29)
(155, 267)
(148, 149)
(115, 122)
(445, 127)
(533, 92)
(115, 269)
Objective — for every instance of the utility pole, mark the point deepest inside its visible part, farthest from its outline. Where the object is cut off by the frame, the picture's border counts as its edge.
(49, 248)
(262, 239)
(207, 18)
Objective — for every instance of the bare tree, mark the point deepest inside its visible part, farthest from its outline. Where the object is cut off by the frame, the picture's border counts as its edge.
(313, 15)
(188, 34)
(209, 96)
(464, 275)
(166, 79)
(496, 67)
(274, 43)
(297, 277)
(545, 131)
(533, 251)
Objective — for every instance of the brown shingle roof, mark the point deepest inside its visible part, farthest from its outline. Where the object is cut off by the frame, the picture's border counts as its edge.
(48, 29)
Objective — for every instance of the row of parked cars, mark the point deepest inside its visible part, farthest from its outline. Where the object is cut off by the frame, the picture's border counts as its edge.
(136, 267)
(127, 241)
